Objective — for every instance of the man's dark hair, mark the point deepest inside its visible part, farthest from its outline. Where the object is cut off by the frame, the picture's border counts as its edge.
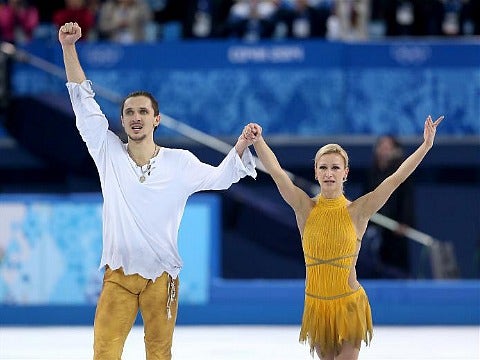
(154, 101)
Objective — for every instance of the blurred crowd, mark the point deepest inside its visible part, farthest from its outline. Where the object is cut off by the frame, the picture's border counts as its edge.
(127, 21)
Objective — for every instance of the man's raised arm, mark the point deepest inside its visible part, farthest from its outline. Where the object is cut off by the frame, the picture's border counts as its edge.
(68, 35)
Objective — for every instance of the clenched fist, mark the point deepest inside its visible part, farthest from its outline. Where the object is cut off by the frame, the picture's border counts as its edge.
(69, 33)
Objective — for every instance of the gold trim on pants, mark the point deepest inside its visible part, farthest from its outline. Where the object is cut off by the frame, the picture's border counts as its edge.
(117, 308)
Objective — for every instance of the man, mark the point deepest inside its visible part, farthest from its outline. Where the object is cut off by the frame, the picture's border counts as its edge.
(145, 188)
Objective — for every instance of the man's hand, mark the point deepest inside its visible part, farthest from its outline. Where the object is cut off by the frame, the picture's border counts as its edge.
(249, 135)
(252, 132)
(69, 33)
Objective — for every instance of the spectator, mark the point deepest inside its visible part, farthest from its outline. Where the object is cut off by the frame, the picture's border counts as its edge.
(220, 10)
(378, 18)
(461, 17)
(181, 11)
(195, 18)
(252, 20)
(46, 9)
(451, 17)
(202, 22)
(94, 7)
(400, 17)
(124, 21)
(303, 19)
(76, 11)
(414, 17)
(18, 20)
(349, 20)
(429, 17)
(471, 16)
(393, 248)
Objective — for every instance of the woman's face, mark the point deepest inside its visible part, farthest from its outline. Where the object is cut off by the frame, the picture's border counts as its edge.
(330, 172)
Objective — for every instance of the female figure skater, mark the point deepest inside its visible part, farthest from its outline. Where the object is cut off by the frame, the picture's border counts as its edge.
(337, 315)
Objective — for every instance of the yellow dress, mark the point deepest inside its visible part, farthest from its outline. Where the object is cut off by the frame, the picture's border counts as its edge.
(333, 312)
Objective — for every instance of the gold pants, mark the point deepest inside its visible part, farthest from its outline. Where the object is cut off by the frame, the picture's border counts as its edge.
(117, 308)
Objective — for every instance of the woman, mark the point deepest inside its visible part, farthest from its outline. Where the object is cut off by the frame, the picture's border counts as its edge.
(337, 313)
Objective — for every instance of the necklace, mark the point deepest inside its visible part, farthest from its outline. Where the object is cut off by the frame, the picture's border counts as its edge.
(148, 167)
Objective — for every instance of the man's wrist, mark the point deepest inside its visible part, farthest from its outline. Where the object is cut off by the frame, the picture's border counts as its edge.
(240, 146)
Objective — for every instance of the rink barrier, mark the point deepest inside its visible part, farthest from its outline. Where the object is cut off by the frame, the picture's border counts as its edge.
(280, 302)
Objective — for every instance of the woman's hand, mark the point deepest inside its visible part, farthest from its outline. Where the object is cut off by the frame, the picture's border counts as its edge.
(430, 130)
(252, 132)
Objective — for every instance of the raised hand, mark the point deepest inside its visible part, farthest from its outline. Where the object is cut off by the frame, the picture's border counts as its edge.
(69, 33)
(430, 130)
(252, 132)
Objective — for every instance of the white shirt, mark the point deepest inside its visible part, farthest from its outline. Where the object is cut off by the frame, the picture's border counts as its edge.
(141, 220)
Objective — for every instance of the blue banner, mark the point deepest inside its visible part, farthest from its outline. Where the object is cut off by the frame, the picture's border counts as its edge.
(291, 88)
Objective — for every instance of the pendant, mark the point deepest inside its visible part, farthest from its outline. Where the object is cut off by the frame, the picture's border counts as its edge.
(142, 178)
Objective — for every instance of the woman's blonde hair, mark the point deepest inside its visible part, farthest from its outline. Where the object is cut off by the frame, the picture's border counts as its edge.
(332, 149)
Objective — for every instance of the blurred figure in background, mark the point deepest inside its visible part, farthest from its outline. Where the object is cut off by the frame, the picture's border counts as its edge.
(414, 17)
(349, 21)
(76, 11)
(252, 20)
(304, 18)
(461, 17)
(471, 16)
(124, 21)
(393, 250)
(177, 11)
(47, 8)
(220, 10)
(18, 21)
(196, 19)
(210, 18)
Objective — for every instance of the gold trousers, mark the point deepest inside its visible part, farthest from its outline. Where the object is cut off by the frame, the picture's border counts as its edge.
(117, 308)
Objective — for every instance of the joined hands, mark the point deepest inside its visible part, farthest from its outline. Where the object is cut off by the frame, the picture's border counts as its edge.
(251, 133)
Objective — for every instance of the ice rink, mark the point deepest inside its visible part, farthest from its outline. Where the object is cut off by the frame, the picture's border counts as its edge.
(243, 342)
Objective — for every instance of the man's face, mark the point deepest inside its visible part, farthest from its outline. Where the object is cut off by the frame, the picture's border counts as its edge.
(138, 118)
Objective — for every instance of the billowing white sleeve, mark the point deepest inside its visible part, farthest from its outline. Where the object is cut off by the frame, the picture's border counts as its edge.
(91, 122)
(203, 176)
